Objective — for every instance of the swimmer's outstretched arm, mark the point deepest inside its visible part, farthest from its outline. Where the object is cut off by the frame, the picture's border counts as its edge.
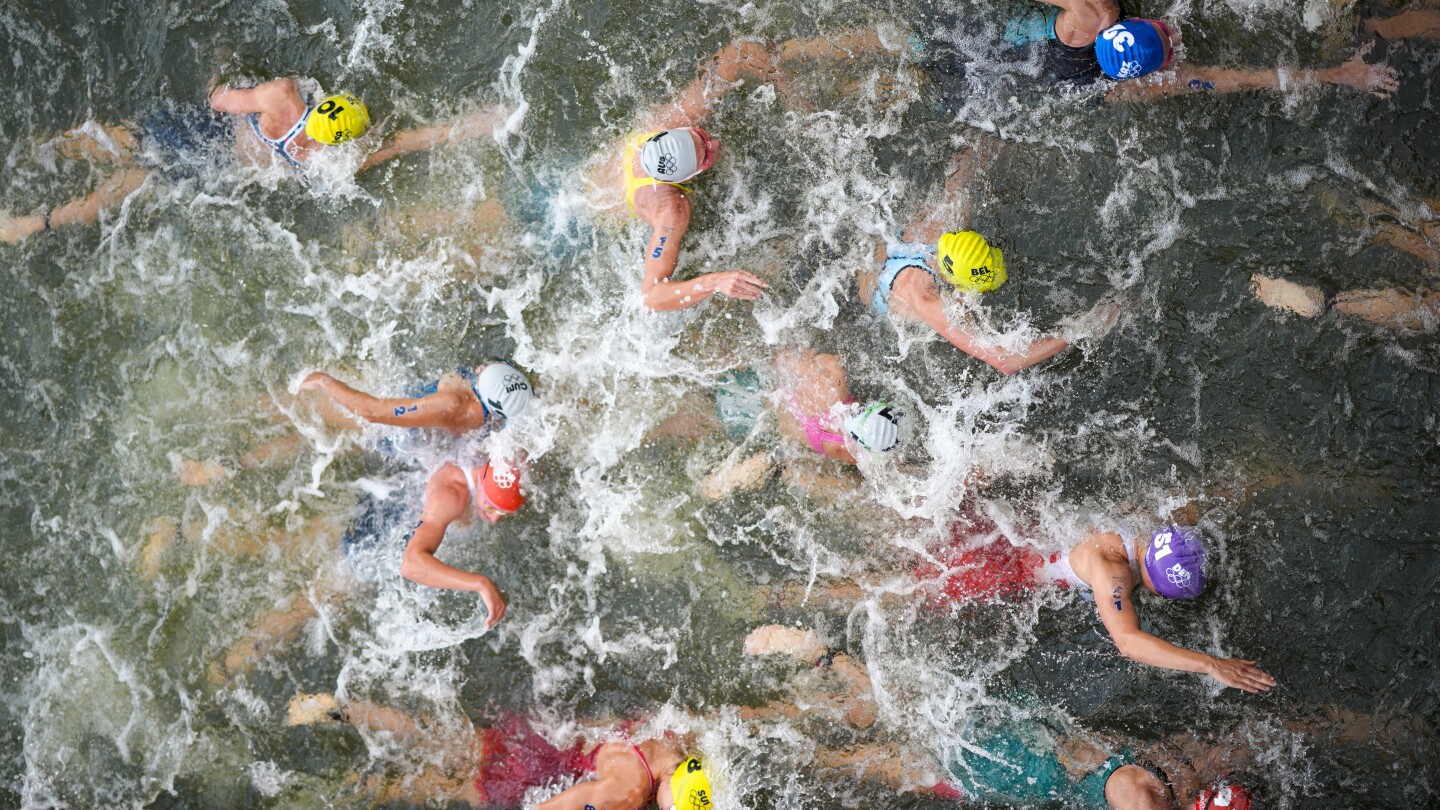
(438, 410)
(1382, 80)
(1117, 611)
(418, 140)
(719, 75)
(930, 310)
(446, 499)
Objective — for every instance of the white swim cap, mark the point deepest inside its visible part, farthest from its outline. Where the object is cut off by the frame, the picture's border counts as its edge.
(503, 389)
(670, 156)
(876, 427)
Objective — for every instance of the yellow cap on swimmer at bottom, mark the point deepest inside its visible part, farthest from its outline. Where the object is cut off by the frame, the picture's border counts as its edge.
(968, 262)
(338, 119)
(689, 786)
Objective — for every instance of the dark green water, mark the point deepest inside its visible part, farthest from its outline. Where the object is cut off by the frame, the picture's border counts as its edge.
(173, 331)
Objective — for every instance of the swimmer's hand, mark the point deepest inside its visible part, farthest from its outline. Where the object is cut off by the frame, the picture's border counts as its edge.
(1094, 324)
(1382, 80)
(494, 602)
(1237, 673)
(315, 381)
(736, 284)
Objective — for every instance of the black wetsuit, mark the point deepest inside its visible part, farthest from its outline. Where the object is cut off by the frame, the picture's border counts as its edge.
(1077, 66)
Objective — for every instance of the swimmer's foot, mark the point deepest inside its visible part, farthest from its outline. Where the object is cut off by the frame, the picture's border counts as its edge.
(201, 473)
(307, 710)
(1278, 293)
(16, 229)
(747, 474)
(161, 534)
(777, 639)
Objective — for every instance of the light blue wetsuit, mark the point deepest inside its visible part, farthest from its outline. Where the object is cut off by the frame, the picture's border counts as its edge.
(899, 257)
(1024, 769)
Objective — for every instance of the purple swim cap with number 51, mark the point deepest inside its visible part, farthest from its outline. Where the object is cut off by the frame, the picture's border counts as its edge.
(1175, 562)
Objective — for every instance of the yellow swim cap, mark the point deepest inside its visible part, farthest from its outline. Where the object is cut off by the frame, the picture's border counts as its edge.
(968, 262)
(338, 119)
(690, 787)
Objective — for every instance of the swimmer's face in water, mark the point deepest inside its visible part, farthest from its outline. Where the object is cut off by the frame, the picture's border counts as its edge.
(1166, 36)
(707, 146)
(488, 511)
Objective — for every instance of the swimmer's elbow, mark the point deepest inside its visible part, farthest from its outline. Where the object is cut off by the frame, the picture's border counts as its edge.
(1006, 364)
(412, 565)
(1130, 647)
(663, 297)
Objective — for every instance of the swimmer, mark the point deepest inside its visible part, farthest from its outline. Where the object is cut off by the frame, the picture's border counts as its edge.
(1087, 40)
(655, 171)
(278, 123)
(452, 403)
(1413, 23)
(1025, 760)
(1070, 32)
(513, 758)
(905, 278)
(1104, 565)
(813, 408)
(1391, 308)
(459, 402)
(449, 495)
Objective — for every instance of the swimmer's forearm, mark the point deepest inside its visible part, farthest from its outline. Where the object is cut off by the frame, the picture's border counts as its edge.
(1157, 652)
(420, 566)
(670, 296)
(357, 402)
(1007, 362)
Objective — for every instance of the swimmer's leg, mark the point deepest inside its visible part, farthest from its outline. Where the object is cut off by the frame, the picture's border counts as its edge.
(1412, 24)
(271, 630)
(160, 536)
(887, 764)
(817, 484)
(834, 48)
(694, 418)
(737, 474)
(1421, 240)
(84, 211)
(97, 143)
(428, 785)
(795, 594)
(1394, 309)
(1278, 293)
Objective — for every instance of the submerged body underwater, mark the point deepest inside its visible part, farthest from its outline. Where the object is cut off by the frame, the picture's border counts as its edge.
(194, 547)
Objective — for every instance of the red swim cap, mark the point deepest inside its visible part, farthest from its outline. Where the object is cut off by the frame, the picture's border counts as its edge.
(1224, 796)
(501, 490)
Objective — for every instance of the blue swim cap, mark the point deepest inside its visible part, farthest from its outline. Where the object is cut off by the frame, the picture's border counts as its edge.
(1129, 49)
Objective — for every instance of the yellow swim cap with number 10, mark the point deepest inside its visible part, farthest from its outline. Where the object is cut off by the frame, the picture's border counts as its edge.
(689, 786)
(338, 119)
(968, 262)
